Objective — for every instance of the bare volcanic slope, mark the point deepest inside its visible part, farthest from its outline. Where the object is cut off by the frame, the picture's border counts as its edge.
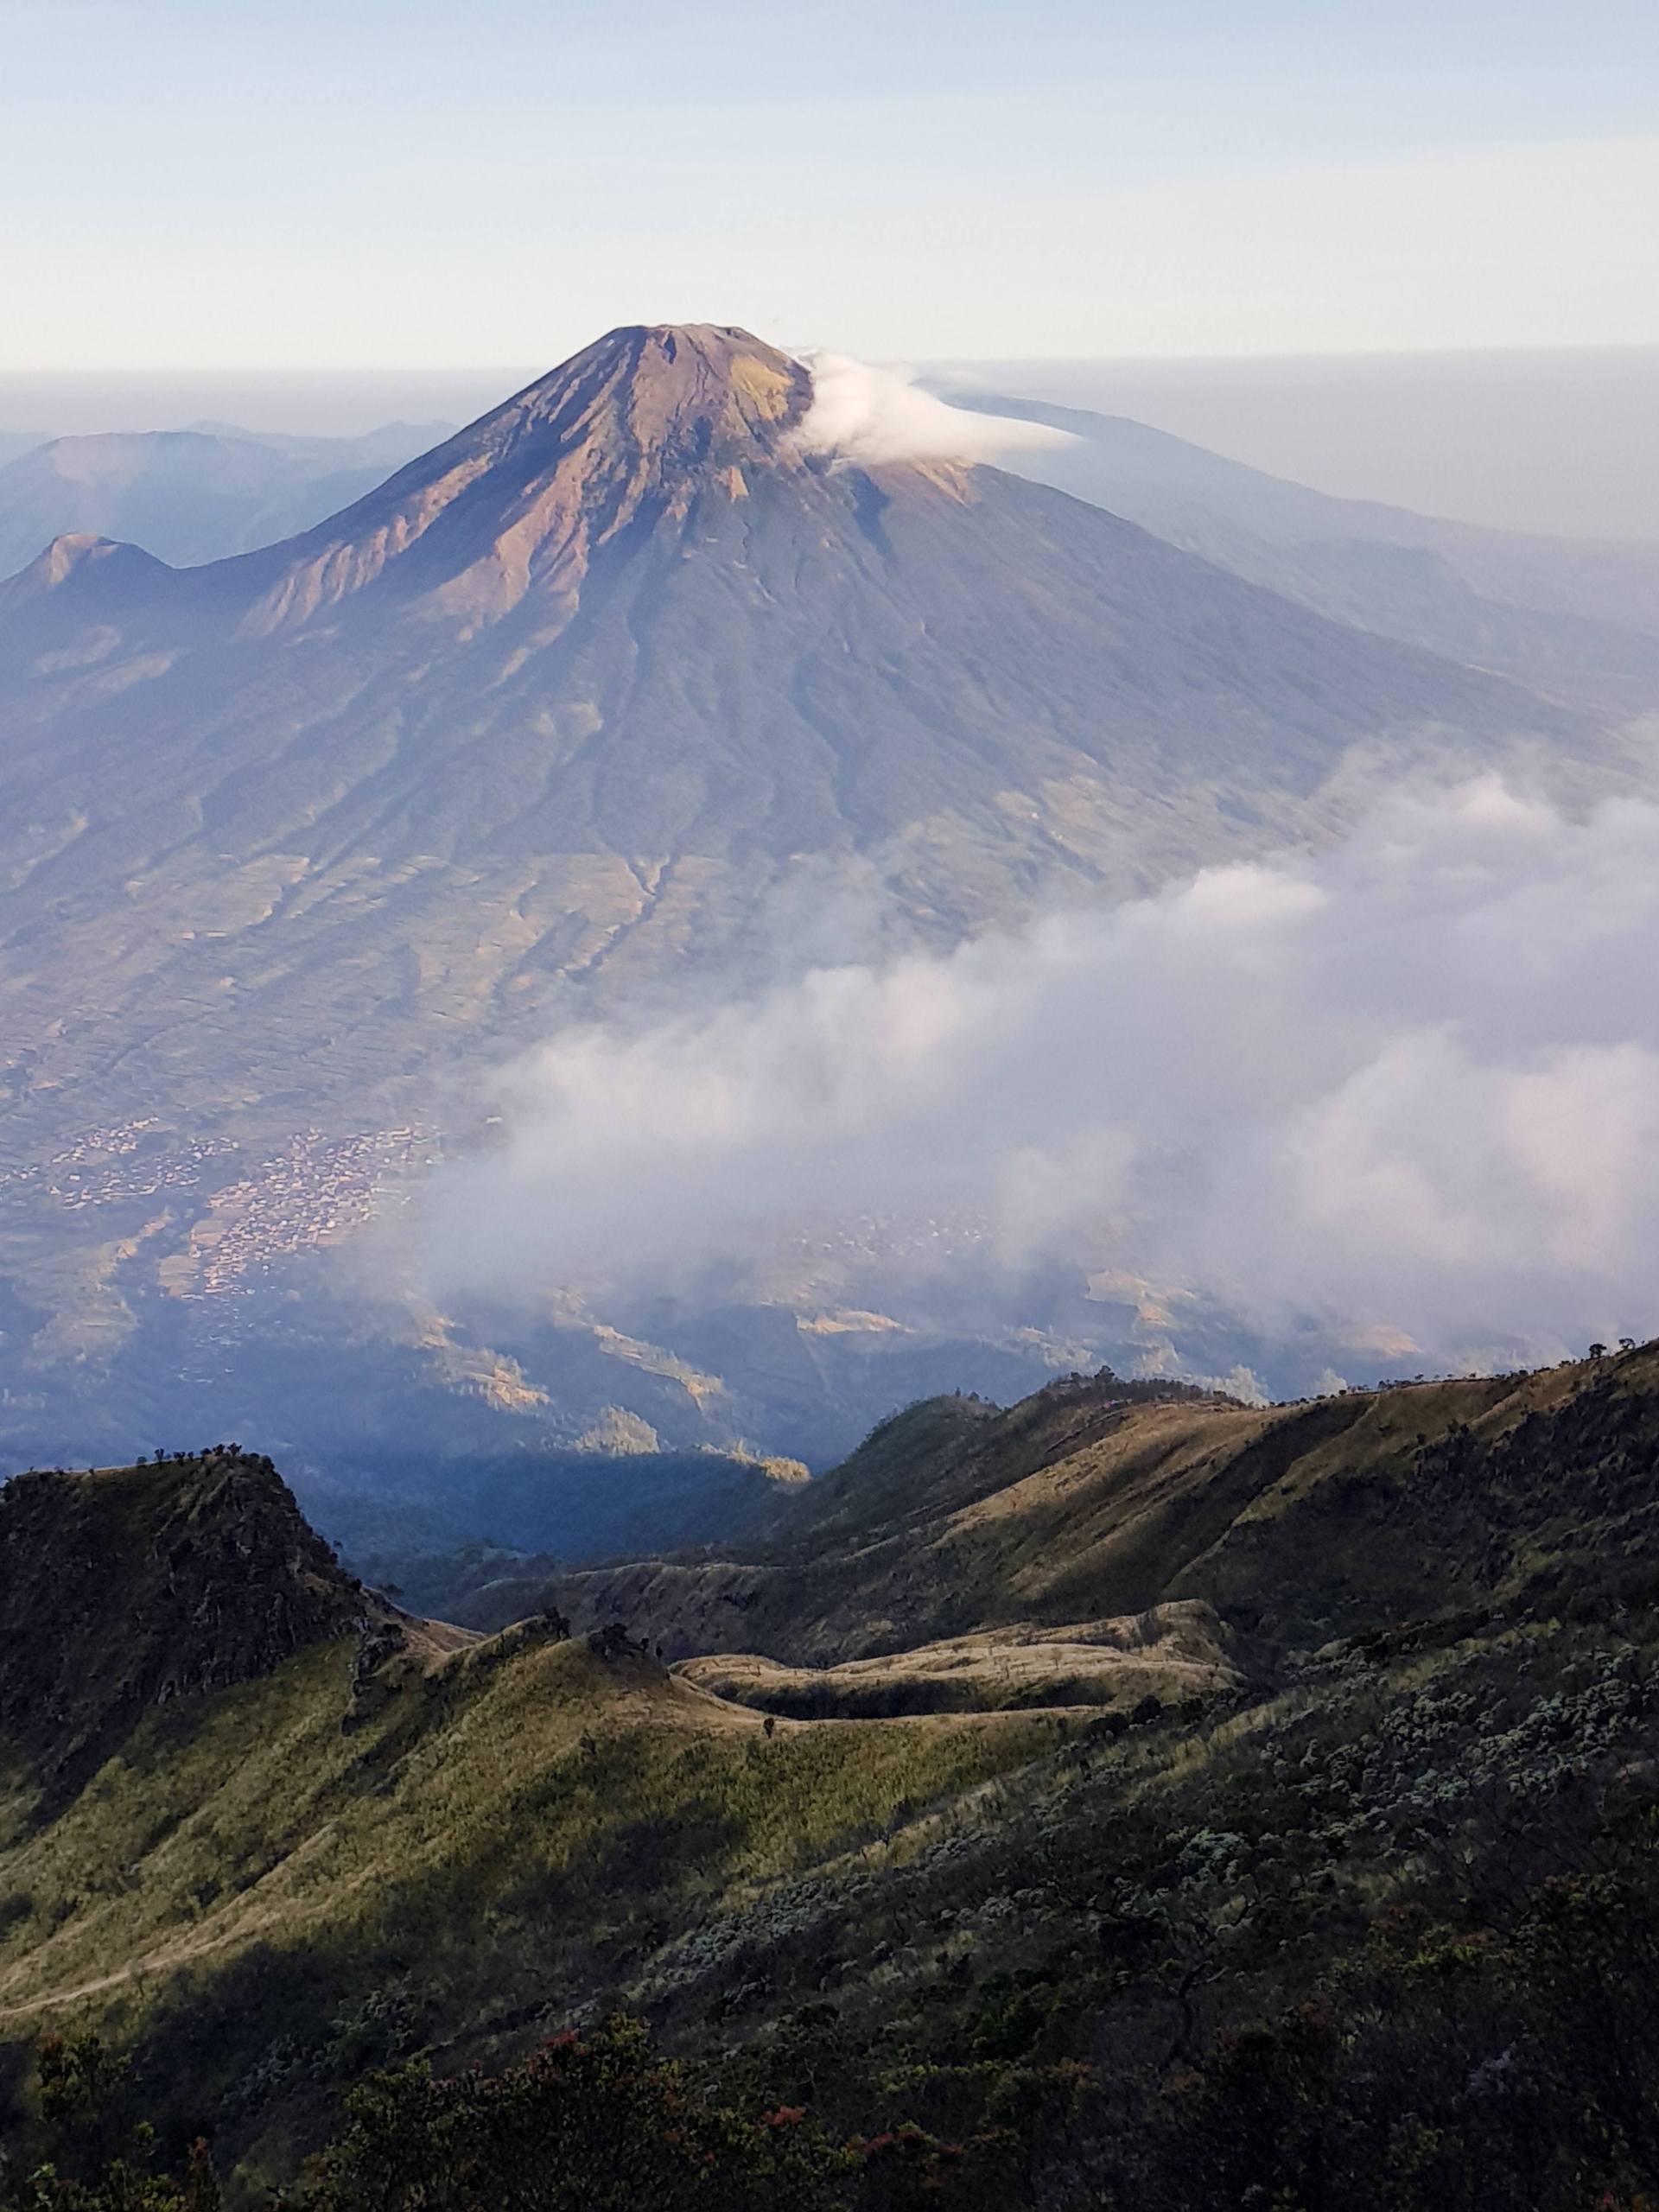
(569, 697)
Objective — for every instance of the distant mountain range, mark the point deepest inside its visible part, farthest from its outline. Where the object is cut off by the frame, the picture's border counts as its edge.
(188, 496)
(1574, 620)
(585, 707)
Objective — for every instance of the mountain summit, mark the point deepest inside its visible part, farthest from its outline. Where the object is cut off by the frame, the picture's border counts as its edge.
(122, 1590)
(671, 398)
(629, 431)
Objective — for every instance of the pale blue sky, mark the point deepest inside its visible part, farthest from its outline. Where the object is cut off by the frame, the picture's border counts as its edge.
(227, 184)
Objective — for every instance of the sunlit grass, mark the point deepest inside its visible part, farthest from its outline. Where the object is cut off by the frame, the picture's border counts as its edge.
(522, 1781)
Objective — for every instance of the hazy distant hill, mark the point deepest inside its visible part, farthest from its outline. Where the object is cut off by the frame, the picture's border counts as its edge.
(188, 496)
(1575, 619)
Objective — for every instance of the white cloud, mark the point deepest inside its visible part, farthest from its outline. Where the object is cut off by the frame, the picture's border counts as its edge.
(867, 417)
(1409, 1088)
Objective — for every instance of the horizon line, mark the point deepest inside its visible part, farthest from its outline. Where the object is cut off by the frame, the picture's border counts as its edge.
(925, 360)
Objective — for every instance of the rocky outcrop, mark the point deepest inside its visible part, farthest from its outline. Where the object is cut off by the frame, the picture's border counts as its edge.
(122, 1589)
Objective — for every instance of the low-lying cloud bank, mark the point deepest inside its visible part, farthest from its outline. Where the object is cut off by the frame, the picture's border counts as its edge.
(866, 417)
(1410, 1086)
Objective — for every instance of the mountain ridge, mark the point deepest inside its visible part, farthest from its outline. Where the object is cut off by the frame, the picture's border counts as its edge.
(1577, 619)
(1070, 1893)
(1296, 1523)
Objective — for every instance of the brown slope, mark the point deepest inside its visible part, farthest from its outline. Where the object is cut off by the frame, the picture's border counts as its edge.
(631, 428)
(1345, 1516)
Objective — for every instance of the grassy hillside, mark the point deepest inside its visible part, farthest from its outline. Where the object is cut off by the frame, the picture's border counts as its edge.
(526, 1779)
(1297, 1522)
(1165, 1654)
(1321, 1871)
(498, 1829)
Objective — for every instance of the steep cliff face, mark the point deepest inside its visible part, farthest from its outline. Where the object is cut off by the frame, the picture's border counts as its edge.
(123, 1589)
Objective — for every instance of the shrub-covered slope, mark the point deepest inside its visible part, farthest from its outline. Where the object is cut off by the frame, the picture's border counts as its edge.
(1353, 1907)
(292, 1797)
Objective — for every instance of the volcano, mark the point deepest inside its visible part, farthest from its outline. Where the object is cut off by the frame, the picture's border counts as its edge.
(578, 698)
(631, 689)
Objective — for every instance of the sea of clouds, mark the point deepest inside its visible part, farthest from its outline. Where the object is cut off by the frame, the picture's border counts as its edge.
(1406, 1090)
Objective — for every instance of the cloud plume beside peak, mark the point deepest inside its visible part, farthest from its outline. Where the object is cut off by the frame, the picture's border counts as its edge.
(867, 417)
(1409, 1087)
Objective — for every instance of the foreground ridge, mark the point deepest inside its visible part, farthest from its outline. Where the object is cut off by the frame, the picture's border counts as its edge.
(1137, 1873)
